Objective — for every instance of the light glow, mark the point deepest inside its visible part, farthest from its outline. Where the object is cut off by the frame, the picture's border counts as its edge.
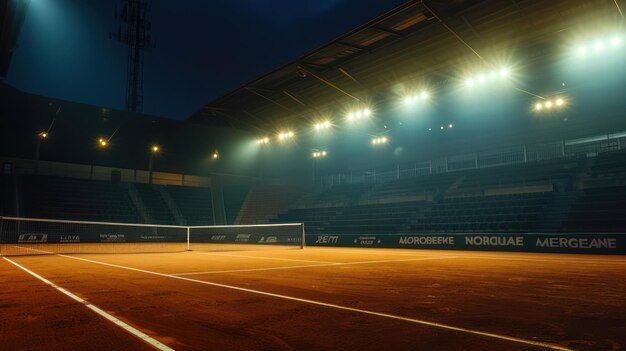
(490, 76)
(323, 125)
(358, 114)
(379, 140)
(285, 135)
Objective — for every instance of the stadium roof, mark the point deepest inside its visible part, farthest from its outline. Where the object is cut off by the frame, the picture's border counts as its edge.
(419, 40)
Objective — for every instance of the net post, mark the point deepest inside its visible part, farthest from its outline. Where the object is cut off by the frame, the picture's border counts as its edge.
(302, 242)
(188, 244)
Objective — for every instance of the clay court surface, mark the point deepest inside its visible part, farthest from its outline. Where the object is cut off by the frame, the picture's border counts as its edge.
(314, 299)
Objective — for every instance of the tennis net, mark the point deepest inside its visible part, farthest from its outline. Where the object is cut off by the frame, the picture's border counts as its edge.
(34, 236)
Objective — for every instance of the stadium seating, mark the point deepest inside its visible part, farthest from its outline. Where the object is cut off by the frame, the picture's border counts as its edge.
(573, 194)
(234, 197)
(195, 204)
(67, 198)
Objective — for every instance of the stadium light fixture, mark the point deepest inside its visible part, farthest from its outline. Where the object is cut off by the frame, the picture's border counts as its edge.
(379, 140)
(550, 104)
(412, 98)
(491, 76)
(322, 125)
(42, 135)
(215, 155)
(282, 136)
(263, 141)
(358, 114)
(318, 154)
(599, 45)
(450, 125)
(155, 149)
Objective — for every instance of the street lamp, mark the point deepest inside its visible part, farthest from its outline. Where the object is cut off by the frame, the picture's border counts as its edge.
(41, 137)
(154, 150)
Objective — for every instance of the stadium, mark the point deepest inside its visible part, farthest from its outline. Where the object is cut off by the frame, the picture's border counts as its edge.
(420, 175)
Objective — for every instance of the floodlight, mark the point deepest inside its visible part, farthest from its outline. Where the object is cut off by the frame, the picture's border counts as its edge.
(450, 125)
(481, 78)
(616, 41)
(559, 102)
(424, 95)
(492, 75)
(215, 155)
(504, 72)
(367, 112)
(103, 142)
(323, 153)
(322, 125)
(441, 128)
(539, 106)
(155, 148)
(408, 99)
(285, 135)
(598, 46)
(469, 82)
(43, 135)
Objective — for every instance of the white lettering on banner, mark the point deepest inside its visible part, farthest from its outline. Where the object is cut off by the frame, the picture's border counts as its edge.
(218, 237)
(32, 238)
(327, 239)
(112, 238)
(70, 238)
(242, 238)
(426, 240)
(366, 240)
(499, 240)
(269, 240)
(578, 243)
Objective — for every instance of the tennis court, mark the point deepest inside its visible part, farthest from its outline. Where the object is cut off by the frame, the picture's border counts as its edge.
(313, 298)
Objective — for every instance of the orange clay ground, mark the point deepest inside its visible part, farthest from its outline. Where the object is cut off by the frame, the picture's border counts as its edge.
(316, 299)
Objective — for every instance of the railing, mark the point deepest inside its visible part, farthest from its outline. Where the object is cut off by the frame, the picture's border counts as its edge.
(588, 147)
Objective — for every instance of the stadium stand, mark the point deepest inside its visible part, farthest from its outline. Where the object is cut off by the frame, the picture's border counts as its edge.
(266, 200)
(67, 198)
(194, 204)
(156, 206)
(573, 194)
(234, 196)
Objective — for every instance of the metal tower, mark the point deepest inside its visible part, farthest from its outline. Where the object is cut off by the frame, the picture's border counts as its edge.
(136, 34)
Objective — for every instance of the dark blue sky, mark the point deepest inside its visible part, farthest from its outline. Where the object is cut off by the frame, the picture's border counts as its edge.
(203, 48)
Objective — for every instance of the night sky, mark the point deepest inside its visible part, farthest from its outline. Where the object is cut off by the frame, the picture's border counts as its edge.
(203, 49)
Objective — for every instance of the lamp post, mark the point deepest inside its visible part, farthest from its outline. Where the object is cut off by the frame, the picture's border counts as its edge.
(154, 150)
(102, 144)
(41, 137)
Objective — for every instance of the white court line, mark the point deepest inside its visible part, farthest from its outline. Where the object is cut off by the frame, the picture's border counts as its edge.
(155, 343)
(339, 307)
(260, 257)
(313, 265)
(468, 254)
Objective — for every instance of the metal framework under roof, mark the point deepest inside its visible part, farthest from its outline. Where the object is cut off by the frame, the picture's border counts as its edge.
(417, 41)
